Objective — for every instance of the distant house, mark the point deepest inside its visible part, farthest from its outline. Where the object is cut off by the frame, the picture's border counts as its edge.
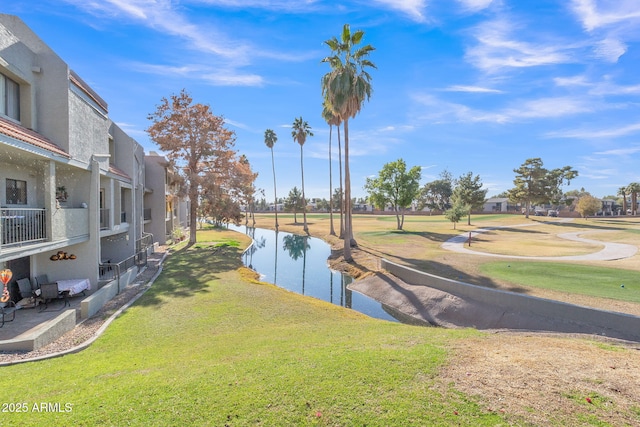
(499, 204)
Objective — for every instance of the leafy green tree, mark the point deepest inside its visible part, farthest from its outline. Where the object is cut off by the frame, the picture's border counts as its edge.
(469, 194)
(634, 189)
(557, 178)
(437, 194)
(300, 131)
(572, 197)
(588, 205)
(270, 139)
(294, 203)
(455, 214)
(396, 186)
(536, 185)
(345, 88)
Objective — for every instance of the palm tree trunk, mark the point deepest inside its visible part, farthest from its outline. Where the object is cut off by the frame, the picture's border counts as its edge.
(347, 198)
(275, 267)
(304, 200)
(332, 231)
(341, 189)
(275, 206)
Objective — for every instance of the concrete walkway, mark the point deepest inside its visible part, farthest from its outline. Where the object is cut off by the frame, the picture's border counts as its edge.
(610, 252)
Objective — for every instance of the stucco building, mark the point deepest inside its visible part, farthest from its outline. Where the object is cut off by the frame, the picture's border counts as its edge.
(72, 182)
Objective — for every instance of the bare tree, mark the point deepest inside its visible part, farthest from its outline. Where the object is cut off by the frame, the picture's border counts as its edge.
(195, 140)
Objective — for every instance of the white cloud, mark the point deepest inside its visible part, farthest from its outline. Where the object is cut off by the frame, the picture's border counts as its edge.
(498, 48)
(595, 14)
(551, 107)
(594, 134)
(601, 88)
(476, 89)
(610, 49)
(233, 78)
(288, 5)
(218, 77)
(620, 151)
(236, 124)
(475, 5)
(413, 8)
(438, 110)
(572, 81)
(608, 88)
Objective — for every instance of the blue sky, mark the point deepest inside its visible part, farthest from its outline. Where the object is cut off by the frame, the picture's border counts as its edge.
(461, 85)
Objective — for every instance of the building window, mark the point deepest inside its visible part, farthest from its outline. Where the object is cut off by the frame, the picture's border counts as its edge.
(9, 97)
(16, 192)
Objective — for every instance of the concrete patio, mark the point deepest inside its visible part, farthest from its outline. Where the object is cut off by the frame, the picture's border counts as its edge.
(33, 328)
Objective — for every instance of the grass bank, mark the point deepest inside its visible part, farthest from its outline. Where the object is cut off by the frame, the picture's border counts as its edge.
(205, 347)
(208, 345)
(601, 282)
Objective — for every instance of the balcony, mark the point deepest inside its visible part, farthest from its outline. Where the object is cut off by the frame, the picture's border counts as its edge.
(24, 231)
(23, 226)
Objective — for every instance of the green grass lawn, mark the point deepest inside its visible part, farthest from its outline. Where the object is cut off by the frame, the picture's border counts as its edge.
(205, 347)
(595, 281)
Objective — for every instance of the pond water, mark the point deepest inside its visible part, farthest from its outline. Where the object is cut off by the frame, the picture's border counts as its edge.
(299, 263)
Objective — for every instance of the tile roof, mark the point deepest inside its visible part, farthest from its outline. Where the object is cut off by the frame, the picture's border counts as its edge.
(16, 131)
(117, 171)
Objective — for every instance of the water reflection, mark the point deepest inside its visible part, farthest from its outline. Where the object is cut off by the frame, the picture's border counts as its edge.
(299, 263)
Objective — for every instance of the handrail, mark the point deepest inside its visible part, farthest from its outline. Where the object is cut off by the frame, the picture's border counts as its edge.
(112, 270)
(24, 225)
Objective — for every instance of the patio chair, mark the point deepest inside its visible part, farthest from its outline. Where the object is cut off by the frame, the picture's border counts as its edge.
(7, 309)
(49, 292)
(27, 289)
(42, 279)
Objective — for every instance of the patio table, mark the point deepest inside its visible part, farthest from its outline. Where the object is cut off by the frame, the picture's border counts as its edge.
(73, 286)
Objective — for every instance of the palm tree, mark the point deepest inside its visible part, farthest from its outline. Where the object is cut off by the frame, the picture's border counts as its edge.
(331, 120)
(300, 131)
(634, 189)
(345, 88)
(270, 139)
(623, 192)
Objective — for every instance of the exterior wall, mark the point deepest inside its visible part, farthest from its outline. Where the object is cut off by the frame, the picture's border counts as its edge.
(44, 79)
(496, 205)
(61, 110)
(155, 198)
(88, 129)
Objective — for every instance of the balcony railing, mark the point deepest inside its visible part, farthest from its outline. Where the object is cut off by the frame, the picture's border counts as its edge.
(145, 242)
(108, 271)
(20, 226)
